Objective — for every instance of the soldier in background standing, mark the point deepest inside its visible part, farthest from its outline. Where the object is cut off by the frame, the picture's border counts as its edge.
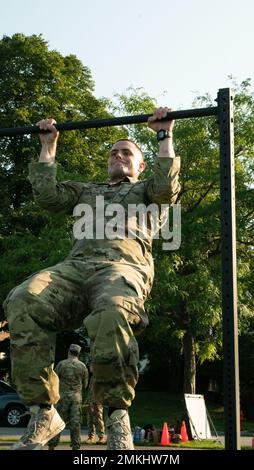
(73, 376)
(95, 419)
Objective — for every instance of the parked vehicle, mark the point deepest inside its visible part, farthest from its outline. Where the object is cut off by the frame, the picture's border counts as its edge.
(12, 409)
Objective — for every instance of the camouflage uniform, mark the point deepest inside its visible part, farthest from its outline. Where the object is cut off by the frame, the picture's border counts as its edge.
(95, 420)
(102, 282)
(73, 375)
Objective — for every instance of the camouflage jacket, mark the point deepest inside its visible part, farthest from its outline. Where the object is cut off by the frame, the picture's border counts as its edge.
(161, 188)
(73, 376)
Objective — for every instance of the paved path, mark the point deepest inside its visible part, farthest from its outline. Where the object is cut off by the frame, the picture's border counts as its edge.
(9, 435)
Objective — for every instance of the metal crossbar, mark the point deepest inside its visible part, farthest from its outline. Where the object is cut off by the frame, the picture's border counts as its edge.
(117, 121)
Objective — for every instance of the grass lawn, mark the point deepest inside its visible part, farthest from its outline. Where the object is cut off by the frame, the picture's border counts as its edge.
(158, 407)
(155, 408)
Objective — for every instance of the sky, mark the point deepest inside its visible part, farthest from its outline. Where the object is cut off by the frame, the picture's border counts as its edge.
(174, 50)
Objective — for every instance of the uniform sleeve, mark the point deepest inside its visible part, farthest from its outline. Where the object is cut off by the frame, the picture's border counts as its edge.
(48, 193)
(163, 186)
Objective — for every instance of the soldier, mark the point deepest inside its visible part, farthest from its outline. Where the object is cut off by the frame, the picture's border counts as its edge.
(95, 418)
(73, 376)
(103, 282)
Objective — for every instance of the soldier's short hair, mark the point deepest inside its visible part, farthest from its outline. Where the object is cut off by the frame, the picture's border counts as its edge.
(134, 143)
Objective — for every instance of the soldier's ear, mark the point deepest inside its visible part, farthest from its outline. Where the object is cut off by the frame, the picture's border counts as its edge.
(142, 166)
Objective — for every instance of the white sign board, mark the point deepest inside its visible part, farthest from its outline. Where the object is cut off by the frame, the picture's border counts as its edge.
(198, 418)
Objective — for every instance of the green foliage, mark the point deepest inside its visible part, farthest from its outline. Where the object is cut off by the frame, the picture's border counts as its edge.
(36, 82)
(186, 295)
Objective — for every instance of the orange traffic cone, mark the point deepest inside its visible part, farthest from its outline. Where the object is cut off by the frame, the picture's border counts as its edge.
(183, 432)
(165, 436)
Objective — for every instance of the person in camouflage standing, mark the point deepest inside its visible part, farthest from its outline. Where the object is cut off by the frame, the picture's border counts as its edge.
(73, 377)
(103, 282)
(95, 418)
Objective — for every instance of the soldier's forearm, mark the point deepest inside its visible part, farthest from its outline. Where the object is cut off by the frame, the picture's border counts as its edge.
(166, 148)
(48, 152)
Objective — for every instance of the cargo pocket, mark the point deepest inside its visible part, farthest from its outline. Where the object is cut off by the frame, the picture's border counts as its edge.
(134, 285)
(137, 316)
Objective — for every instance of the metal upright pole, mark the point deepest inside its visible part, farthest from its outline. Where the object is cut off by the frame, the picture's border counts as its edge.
(229, 277)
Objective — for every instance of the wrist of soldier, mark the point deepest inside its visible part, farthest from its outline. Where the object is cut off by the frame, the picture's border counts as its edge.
(166, 148)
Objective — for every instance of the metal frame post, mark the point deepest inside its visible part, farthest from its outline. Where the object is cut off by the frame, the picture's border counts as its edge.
(229, 277)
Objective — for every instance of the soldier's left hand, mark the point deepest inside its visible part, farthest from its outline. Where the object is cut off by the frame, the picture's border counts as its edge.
(160, 113)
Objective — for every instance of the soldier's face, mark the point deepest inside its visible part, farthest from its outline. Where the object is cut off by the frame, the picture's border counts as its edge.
(125, 160)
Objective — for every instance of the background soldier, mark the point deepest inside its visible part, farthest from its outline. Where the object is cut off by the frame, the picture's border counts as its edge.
(73, 376)
(95, 418)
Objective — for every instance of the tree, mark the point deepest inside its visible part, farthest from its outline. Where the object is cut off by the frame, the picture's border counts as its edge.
(188, 314)
(184, 307)
(36, 82)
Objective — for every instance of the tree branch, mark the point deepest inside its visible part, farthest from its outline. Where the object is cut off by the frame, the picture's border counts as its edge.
(251, 243)
(202, 197)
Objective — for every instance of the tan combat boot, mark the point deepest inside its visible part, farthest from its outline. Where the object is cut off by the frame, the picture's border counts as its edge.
(119, 431)
(91, 440)
(43, 426)
(102, 440)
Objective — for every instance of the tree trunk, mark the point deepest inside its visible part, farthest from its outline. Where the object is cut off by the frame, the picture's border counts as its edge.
(189, 384)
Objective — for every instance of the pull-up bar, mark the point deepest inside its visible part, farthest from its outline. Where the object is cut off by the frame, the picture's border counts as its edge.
(118, 121)
(224, 112)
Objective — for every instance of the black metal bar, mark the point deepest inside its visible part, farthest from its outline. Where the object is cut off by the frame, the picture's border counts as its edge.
(229, 279)
(118, 121)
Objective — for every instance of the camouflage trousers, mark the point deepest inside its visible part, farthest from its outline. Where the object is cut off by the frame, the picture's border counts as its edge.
(95, 420)
(107, 297)
(70, 411)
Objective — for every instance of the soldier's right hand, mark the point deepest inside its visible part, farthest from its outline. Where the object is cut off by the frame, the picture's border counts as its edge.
(48, 137)
(48, 140)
